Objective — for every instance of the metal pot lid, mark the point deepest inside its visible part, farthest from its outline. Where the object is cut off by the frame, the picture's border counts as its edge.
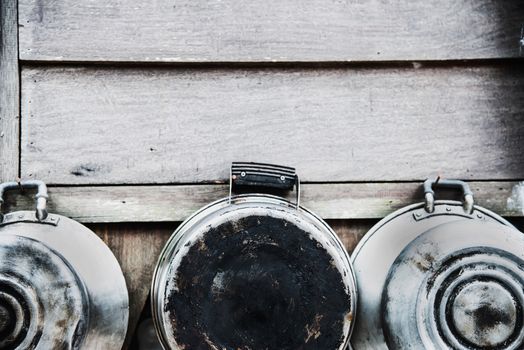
(30, 307)
(377, 251)
(460, 286)
(60, 285)
(254, 272)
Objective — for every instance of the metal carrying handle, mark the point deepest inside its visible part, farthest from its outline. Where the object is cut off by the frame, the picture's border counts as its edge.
(437, 182)
(40, 197)
(264, 175)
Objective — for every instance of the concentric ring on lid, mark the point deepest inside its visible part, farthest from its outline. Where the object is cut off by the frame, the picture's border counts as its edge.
(380, 247)
(41, 296)
(460, 286)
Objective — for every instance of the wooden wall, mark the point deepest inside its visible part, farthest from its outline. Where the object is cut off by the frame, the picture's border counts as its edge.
(133, 110)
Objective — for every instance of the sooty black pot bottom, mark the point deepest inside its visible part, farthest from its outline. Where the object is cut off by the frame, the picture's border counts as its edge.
(258, 283)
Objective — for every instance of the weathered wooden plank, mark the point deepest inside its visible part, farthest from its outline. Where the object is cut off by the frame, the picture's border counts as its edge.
(330, 201)
(9, 91)
(258, 30)
(137, 248)
(351, 232)
(132, 125)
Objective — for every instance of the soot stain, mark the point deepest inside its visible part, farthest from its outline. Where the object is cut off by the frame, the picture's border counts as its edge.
(260, 283)
(42, 268)
(487, 317)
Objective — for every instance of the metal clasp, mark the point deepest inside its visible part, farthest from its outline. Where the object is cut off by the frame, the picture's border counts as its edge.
(40, 197)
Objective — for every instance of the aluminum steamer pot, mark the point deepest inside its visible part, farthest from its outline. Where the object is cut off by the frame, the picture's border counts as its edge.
(254, 271)
(440, 275)
(60, 285)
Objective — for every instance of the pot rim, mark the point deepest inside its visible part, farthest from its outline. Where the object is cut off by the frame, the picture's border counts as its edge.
(385, 220)
(279, 204)
(377, 237)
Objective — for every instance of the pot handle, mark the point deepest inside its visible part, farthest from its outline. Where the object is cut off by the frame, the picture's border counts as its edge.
(264, 175)
(437, 182)
(40, 197)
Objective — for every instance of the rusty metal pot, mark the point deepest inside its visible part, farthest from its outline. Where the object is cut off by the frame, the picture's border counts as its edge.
(440, 275)
(254, 271)
(60, 285)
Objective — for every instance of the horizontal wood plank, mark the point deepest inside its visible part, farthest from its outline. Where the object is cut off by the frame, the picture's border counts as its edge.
(330, 201)
(262, 30)
(9, 92)
(159, 126)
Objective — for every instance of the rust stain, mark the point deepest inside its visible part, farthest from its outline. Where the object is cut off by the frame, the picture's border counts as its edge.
(423, 261)
(314, 330)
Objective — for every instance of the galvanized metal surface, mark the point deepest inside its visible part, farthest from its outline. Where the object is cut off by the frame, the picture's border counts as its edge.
(458, 285)
(191, 235)
(60, 285)
(100, 285)
(385, 315)
(44, 302)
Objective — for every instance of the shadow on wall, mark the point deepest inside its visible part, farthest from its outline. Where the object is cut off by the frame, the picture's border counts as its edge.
(146, 336)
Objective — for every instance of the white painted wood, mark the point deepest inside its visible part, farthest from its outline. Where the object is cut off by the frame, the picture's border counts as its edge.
(9, 92)
(112, 125)
(176, 203)
(268, 30)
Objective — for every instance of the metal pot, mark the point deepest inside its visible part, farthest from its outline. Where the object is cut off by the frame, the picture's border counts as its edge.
(60, 285)
(440, 275)
(254, 271)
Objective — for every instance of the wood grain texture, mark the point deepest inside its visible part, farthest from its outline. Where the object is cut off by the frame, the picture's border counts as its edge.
(351, 232)
(330, 201)
(262, 30)
(137, 248)
(132, 125)
(9, 91)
